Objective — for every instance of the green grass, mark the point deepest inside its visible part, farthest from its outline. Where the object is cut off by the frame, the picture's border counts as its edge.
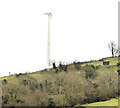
(95, 63)
(39, 77)
(8, 77)
(113, 61)
(103, 69)
(112, 102)
(36, 76)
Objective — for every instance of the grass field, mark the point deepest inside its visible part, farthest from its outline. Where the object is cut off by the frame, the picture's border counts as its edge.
(112, 102)
(113, 61)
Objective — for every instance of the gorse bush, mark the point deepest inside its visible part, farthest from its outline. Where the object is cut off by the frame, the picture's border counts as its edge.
(77, 65)
(90, 72)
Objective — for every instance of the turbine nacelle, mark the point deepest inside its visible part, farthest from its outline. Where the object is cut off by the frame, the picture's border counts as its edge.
(49, 14)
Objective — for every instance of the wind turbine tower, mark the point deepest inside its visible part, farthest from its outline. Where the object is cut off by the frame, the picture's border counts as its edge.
(48, 43)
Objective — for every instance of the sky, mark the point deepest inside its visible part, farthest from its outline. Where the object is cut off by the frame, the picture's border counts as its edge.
(80, 30)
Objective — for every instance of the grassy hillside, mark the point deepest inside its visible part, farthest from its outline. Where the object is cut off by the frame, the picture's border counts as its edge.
(113, 63)
(112, 102)
(66, 85)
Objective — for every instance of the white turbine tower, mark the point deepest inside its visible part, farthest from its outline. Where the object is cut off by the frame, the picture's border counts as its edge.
(48, 43)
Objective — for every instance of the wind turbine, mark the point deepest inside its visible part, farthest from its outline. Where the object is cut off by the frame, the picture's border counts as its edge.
(48, 43)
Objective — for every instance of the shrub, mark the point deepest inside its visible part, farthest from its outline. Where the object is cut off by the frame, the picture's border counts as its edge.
(50, 102)
(5, 99)
(118, 72)
(19, 101)
(65, 67)
(11, 98)
(17, 75)
(48, 86)
(25, 82)
(108, 85)
(60, 100)
(93, 66)
(30, 82)
(5, 81)
(41, 86)
(90, 72)
(46, 83)
(95, 85)
(118, 64)
(54, 66)
(77, 66)
(56, 70)
(89, 91)
(62, 67)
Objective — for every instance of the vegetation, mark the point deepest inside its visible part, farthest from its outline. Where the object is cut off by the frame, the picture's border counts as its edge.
(113, 48)
(66, 85)
(112, 102)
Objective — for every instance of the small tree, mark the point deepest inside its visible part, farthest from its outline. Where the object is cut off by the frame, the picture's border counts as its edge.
(5, 81)
(54, 65)
(113, 48)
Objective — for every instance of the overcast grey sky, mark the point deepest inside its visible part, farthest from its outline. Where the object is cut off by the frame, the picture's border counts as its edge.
(80, 30)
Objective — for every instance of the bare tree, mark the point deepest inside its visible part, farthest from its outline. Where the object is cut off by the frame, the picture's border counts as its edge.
(118, 52)
(113, 48)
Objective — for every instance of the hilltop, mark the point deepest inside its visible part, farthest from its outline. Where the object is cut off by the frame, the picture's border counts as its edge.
(97, 63)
